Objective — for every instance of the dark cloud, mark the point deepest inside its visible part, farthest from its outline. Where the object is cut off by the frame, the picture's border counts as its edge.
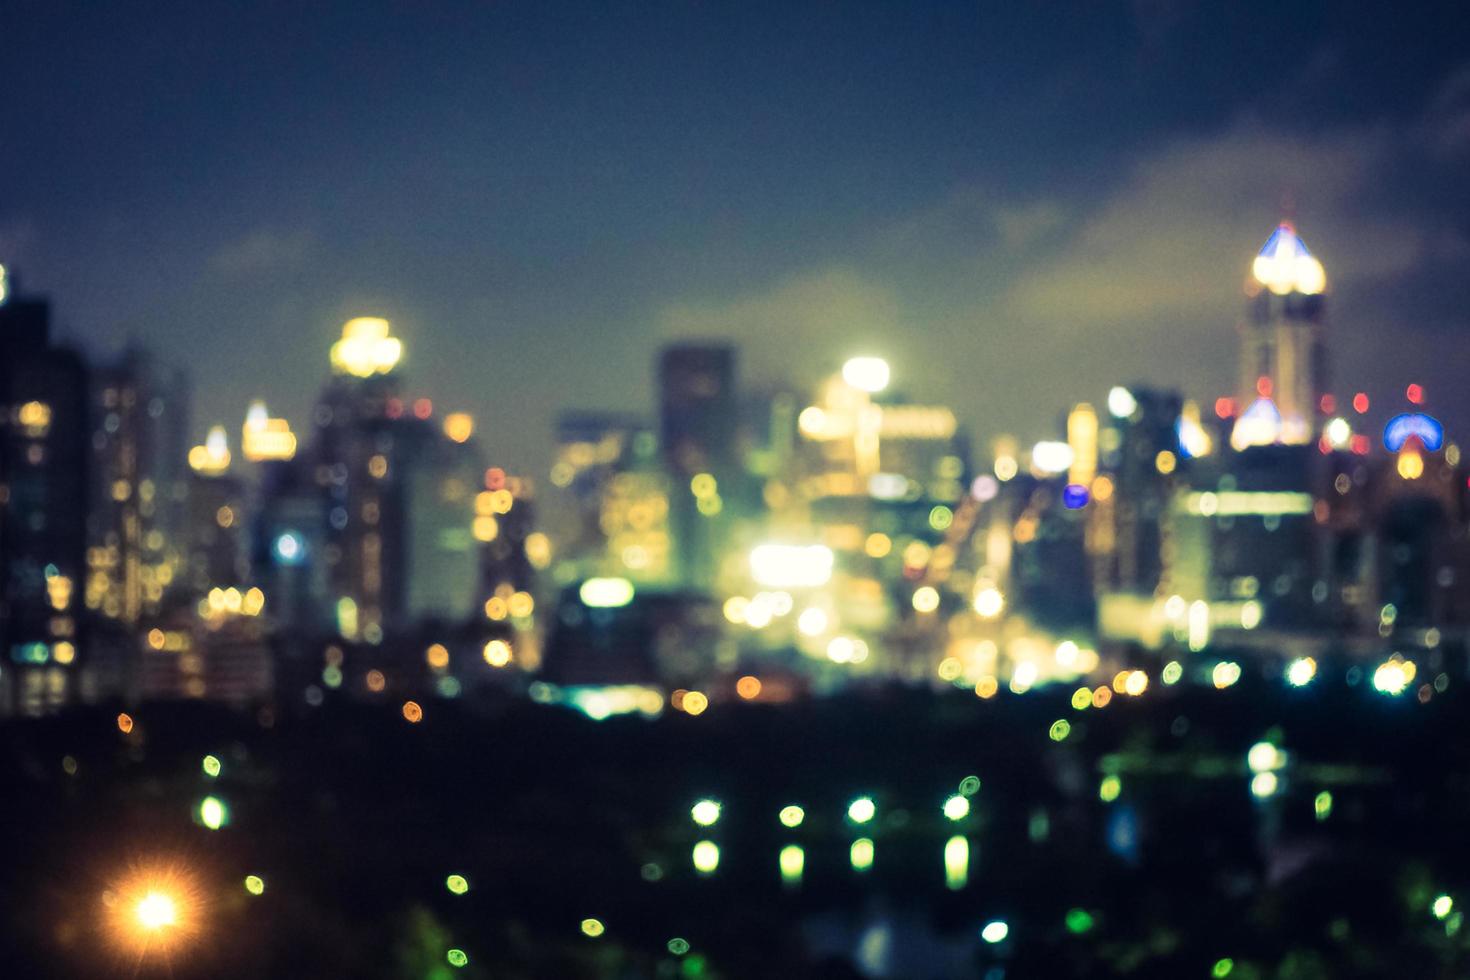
(1021, 203)
(263, 252)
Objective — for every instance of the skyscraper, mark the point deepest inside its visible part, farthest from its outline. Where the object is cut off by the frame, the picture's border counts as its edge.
(140, 484)
(43, 499)
(1282, 363)
(698, 425)
(355, 450)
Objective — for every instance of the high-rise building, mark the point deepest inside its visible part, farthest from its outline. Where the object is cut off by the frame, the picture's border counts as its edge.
(591, 448)
(357, 444)
(1139, 450)
(1282, 361)
(216, 531)
(698, 428)
(139, 420)
(43, 500)
(289, 546)
(440, 488)
(698, 413)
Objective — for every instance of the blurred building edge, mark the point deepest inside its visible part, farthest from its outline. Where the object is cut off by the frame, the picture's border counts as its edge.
(44, 464)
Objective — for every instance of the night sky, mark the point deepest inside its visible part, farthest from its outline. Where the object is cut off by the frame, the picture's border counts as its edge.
(1018, 204)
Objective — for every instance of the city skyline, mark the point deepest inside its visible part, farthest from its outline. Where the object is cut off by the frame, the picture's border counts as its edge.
(533, 261)
(683, 489)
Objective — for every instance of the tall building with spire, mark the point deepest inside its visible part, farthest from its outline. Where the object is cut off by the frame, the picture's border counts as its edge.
(1282, 362)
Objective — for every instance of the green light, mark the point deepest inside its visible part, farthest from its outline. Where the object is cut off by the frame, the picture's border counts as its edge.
(995, 931)
(1110, 788)
(706, 857)
(1222, 967)
(956, 863)
(940, 518)
(793, 863)
(969, 786)
(1442, 907)
(457, 884)
(1173, 670)
(861, 854)
(1038, 828)
(1079, 921)
(1082, 698)
(213, 813)
(705, 813)
(592, 928)
(1323, 805)
(211, 766)
(792, 816)
(1060, 729)
(861, 810)
(254, 884)
(678, 946)
(457, 957)
(332, 676)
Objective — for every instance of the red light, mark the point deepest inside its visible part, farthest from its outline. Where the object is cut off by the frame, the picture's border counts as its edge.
(1415, 394)
(1360, 403)
(1328, 404)
(1263, 386)
(423, 408)
(495, 478)
(395, 408)
(1323, 446)
(1224, 407)
(1360, 445)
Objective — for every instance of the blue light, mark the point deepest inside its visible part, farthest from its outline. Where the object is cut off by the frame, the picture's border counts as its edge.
(289, 548)
(1401, 427)
(30, 653)
(1075, 496)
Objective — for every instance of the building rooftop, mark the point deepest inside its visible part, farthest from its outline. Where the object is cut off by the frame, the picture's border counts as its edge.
(1285, 266)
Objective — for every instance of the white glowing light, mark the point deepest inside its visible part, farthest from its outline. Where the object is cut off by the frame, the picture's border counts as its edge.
(989, 602)
(1051, 457)
(1264, 756)
(366, 348)
(606, 593)
(812, 621)
(868, 374)
(1121, 403)
(1299, 672)
(786, 566)
(1285, 266)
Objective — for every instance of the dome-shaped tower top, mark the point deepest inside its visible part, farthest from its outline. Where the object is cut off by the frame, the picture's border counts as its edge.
(1285, 266)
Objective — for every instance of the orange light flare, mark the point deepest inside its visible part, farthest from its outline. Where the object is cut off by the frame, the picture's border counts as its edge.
(154, 910)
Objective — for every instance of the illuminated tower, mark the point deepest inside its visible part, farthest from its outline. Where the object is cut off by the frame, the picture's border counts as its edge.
(357, 442)
(1281, 355)
(216, 518)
